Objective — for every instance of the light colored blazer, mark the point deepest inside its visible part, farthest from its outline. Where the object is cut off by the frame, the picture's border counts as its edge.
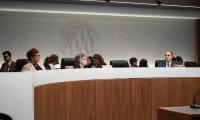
(29, 67)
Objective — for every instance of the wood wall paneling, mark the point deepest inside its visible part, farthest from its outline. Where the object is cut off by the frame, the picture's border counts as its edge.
(118, 99)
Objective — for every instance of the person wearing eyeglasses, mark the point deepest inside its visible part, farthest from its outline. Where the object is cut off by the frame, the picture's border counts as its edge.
(169, 62)
(33, 64)
(80, 61)
(8, 65)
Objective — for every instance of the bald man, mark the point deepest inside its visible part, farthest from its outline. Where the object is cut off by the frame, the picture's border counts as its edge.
(168, 60)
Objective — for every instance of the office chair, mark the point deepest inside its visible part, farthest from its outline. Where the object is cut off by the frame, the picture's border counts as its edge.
(158, 61)
(190, 64)
(20, 63)
(5, 117)
(119, 63)
(67, 62)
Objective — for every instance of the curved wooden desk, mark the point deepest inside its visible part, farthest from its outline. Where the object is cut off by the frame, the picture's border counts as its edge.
(128, 98)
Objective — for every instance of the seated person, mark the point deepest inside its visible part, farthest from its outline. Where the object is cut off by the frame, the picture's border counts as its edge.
(133, 62)
(80, 61)
(169, 62)
(178, 62)
(90, 62)
(54, 64)
(34, 58)
(8, 65)
(143, 63)
(46, 63)
(98, 61)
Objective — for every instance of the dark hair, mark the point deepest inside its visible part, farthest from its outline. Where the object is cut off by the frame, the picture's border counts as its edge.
(143, 63)
(31, 53)
(178, 59)
(91, 58)
(92, 62)
(132, 61)
(54, 58)
(101, 60)
(47, 61)
(7, 52)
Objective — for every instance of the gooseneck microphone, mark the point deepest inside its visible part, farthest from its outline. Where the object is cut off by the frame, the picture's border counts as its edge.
(194, 105)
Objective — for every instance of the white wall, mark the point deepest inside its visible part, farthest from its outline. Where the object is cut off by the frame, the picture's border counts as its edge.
(17, 98)
(113, 37)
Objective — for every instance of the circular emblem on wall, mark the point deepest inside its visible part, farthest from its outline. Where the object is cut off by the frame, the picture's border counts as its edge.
(78, 36)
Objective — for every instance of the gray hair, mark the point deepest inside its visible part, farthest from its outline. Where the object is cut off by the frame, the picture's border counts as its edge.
(79, 56)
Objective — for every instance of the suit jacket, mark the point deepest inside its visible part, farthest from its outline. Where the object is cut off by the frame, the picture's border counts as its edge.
(30, 67)
(163, 64)
(12, 67)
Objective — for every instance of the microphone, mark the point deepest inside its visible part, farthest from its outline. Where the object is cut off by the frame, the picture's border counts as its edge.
(194, 105)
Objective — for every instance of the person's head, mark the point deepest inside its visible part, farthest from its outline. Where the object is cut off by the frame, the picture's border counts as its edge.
(47, 61)
(33, 55)
(98, 60)
(7, 56)
(90, 60)
(178, 60)
(143, 63)
(81, 59)
(54, 59)
(133, 62)
(169, 56)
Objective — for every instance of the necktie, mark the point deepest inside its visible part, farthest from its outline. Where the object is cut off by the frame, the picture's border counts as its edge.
(7, 67)
(168, 65)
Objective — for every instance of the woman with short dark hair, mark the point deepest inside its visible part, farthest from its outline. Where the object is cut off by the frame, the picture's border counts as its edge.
(133, 62)
(143, 63)
(178, 62)
(90, 62)
(34, 58)
(54, 62)
(46, 63)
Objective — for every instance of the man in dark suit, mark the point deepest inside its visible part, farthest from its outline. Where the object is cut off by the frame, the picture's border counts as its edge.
(168, 62)
(8, 65)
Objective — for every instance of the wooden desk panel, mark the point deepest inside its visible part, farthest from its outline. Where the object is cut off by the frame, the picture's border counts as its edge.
(173, 92)
(117, 99)
(178, 113)
(168, 115)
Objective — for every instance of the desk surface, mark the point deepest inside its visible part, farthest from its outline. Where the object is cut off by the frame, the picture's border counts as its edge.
(100, 85)
(113, 99)
(182, 109)
(54, 76)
